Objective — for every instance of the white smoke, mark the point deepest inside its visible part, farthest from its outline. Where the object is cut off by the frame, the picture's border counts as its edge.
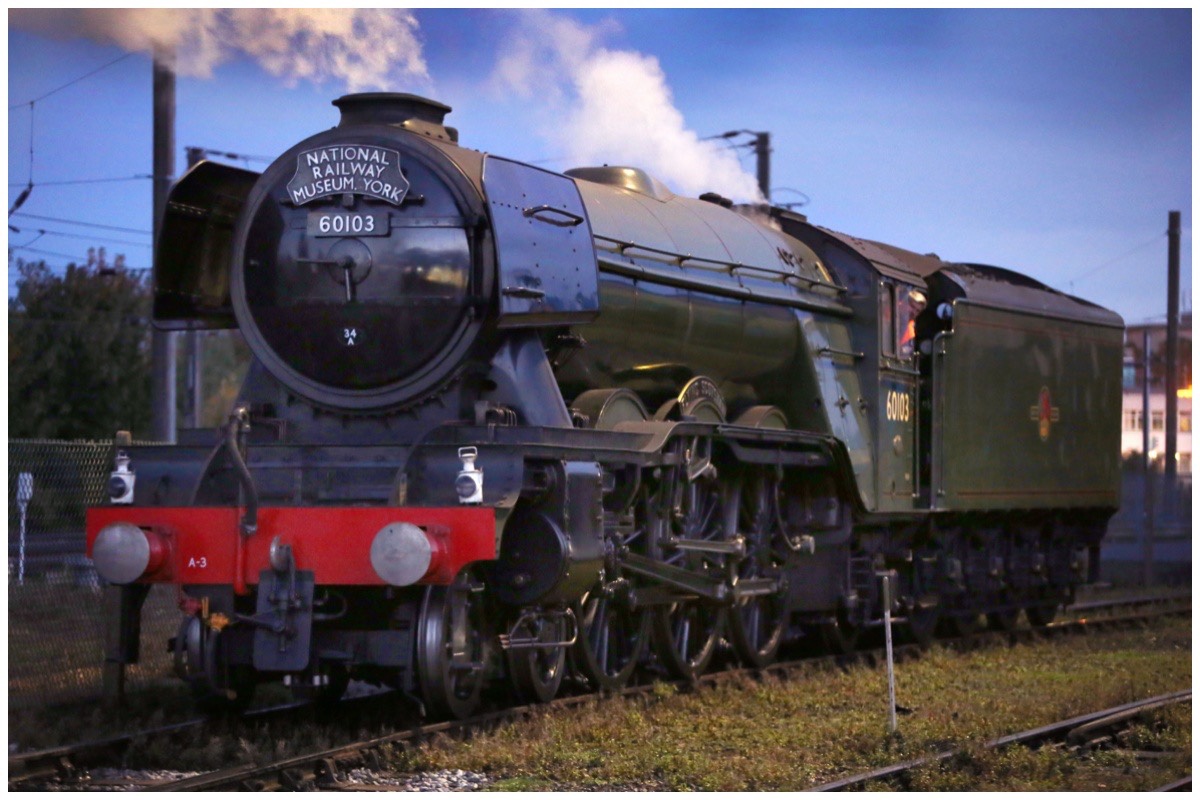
(614, 107)
(365, 48)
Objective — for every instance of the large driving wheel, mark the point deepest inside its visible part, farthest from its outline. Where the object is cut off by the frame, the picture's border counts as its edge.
(452, 648)
(612, 631)
(757, 621)
(690, 508)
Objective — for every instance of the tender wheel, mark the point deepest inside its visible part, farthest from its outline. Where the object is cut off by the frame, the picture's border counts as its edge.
(757, 622)
(921, 626)
(686, 632)
(1041, 615)
(840, 634)
(451, 648)
(961, 623)
(538, 672)
(1004, 621)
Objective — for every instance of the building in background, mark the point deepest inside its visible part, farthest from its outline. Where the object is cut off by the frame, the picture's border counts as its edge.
(1132, 405)
(1151, 536)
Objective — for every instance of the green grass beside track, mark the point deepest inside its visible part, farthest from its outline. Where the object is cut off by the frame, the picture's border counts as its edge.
(786, 734)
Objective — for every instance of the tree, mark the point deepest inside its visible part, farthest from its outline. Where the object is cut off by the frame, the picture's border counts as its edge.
(78, 352)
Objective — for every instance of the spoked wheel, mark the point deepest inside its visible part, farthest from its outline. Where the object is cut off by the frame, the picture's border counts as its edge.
(612, 637)
(758, 620)
(691, 509)
(1042, 614)
(612, 631)
(537, 672)
(452, 648)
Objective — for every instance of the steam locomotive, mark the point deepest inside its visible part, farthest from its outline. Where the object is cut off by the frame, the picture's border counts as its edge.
(505, 426)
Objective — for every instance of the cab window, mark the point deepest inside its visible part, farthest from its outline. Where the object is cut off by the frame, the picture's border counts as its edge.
(909, 304)
(887, 324)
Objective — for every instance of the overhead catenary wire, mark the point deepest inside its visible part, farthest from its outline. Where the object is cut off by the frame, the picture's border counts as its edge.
(72, 82)
(1116, 259)
(82, 223)
(24, 195)
(91, 180)
(87, 238)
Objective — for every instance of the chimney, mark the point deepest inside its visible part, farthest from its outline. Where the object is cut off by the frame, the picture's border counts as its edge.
(408, 111)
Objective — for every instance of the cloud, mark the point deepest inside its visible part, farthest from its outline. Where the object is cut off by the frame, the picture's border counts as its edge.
(365, 48)
(612, 106)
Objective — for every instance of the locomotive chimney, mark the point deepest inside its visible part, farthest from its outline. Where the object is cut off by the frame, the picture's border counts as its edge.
(408, 111)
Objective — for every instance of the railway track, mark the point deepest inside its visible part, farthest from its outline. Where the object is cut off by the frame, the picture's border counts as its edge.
(69, 765)
(1087, 730)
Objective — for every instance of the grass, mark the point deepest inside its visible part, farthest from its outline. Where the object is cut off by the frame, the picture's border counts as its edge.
(739, 734)
(56, 644)
(780, 735)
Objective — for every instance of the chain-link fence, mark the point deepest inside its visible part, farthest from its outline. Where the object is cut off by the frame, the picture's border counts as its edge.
(56, 626)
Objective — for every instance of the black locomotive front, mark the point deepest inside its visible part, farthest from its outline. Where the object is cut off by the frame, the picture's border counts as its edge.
(356, 270)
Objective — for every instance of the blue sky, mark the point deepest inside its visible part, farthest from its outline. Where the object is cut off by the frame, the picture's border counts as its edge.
(1050, 142)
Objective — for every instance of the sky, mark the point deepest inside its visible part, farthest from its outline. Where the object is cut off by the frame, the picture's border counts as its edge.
(1050, 142)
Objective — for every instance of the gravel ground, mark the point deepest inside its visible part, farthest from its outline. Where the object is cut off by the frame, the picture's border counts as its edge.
(446, 780)
(127, 780)
(131, 780)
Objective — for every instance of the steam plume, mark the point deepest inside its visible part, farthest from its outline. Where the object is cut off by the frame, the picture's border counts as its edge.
(614, 106)
(366, 48)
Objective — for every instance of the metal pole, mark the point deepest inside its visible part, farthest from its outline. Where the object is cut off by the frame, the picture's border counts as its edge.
(24, 495)
(195, 353)
(891, 665)
(1172, 365)
(1148, 476)
(762, 150)
(162, 389)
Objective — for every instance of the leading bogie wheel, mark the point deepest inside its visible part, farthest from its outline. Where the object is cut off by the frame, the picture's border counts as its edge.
(452, 648)
(201, 659)
(537, 672)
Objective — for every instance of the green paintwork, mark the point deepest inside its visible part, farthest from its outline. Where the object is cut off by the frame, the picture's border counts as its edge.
(989, 450)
